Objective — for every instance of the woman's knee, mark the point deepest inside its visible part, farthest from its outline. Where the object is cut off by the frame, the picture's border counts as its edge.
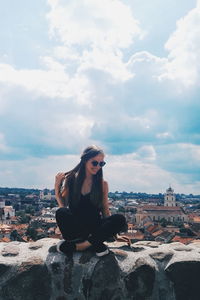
(61, 212)
(119, 220)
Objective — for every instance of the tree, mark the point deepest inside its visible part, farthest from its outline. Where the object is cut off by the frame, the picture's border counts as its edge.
(30, 210)
(121, 209)
(187, 232)
(52, 204)
(23, 217)
(31, 233)
(163, 222)
(13, 235)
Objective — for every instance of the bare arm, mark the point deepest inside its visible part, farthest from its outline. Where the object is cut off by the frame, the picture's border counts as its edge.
(105, 208)
(61, 195)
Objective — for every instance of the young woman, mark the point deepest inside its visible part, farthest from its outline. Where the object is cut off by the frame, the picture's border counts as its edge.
(83, 216)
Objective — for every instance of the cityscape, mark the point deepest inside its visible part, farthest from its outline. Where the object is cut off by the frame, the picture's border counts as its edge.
(29, 215)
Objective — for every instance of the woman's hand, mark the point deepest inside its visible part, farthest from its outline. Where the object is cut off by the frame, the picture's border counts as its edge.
(123, 238)
(58, 181)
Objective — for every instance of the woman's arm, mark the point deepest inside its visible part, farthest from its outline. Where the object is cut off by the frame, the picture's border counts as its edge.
(61, 194)
(106, 213)
(105, 207)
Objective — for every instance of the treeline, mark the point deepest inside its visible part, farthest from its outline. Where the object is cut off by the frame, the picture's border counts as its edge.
(21, 191)
(115, 195)
(131, 195)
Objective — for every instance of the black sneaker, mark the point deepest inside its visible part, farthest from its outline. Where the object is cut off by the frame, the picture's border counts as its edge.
(101, 250)
(66, 247)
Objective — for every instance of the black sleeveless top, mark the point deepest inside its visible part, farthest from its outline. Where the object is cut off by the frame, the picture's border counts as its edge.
(87, 212)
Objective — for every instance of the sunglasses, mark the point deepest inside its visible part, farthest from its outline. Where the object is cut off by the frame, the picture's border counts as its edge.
(95, 163)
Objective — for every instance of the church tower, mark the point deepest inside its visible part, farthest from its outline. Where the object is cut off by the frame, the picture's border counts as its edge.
(169, 198)
(2, 203)
(41, 195)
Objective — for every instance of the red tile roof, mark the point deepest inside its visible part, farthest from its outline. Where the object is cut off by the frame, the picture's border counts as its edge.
(184, 240)
(196, 219)
(152, 228)
(5, 239)
(139, 235)
(156, 233)
(162, 208)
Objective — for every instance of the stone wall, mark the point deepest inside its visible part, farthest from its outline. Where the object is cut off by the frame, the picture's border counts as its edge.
(146, 271)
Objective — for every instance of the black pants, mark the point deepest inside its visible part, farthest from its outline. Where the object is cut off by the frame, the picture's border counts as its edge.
(71, 227)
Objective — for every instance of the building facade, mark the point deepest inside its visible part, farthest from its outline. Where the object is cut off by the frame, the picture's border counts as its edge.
(170, 211)
(6, 212)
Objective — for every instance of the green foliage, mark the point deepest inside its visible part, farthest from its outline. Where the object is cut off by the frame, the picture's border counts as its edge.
(13, 235)
(23, 217)
(163, 222)
(31, 233)
(121, 209)
(187, 232)
(30, 210)
(53, 204)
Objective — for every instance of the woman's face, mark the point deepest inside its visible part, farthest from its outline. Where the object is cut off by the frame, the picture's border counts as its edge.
(90, 165)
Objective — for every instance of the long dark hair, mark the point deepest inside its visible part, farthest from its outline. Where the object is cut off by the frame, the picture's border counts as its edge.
(75, 178)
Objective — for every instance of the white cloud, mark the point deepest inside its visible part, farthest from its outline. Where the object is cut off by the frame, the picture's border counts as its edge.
(145, 64)
(67, 131)
(164, 135)
(192, 151)
(146, 153)
(93, 86)
(184, 55)
(131, 174)
(94, 33)
(49, 83)
(53, 82)
(107, 61)
(181, 68)
(122, 127)
(66, 53)
(35, 172)
(180, 158)
(93, 22)
(123, 172)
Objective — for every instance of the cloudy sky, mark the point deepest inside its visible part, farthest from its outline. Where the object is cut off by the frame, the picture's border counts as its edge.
(124, 75)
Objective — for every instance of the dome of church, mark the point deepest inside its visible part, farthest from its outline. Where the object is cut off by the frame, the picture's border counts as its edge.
(170, 190)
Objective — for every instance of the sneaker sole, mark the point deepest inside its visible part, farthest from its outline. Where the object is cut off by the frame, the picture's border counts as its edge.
(58, 246)
(102, 253)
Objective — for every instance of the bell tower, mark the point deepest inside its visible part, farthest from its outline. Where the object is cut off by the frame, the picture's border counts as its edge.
(169, 198)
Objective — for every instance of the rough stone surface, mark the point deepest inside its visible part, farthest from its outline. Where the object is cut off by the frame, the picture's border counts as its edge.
(185, 276)
(33, 281)
(35, 245)
(10, 250)
(140, 281)
(145, 271)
